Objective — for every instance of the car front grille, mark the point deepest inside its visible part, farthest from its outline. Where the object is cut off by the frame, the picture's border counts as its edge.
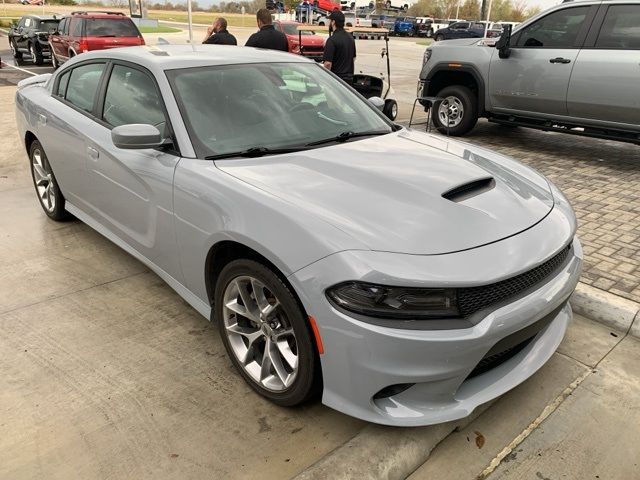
(474, 299)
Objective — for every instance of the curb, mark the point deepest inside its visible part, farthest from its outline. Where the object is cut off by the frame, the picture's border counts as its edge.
(380, 452)
(606, 308)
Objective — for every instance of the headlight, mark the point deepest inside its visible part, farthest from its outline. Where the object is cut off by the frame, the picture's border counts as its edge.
(427, 55)
(395, 302)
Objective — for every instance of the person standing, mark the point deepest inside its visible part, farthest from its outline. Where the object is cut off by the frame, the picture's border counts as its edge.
(267, 36)
(340, 49)
(217, 34)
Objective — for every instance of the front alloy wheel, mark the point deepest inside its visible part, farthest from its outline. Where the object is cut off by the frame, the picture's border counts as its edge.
(265, 333)
(457, 112)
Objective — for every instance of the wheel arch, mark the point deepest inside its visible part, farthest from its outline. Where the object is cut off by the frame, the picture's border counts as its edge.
(443, 75)
(29, 138)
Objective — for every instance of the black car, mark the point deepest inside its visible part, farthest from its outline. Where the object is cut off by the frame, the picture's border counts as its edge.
(30, 37)
(460, 30)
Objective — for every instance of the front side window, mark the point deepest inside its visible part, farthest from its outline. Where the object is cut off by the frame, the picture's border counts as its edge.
(132, 97)
(64, 26)
(621, 28)
(557, 30)
(232, 108)
(83, 85)
(27, 22)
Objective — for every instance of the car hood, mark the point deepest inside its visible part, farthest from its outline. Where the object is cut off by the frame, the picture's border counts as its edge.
(309, 40)
(456, 42)
(387, 191)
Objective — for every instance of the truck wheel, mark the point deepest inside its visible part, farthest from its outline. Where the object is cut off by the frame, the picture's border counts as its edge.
(390, 109)
(14, 50)
(36, 54)
(457, 112)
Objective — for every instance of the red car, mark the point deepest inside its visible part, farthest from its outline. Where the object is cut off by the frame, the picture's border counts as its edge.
(312, 44)
(327, 5)
(84, 31)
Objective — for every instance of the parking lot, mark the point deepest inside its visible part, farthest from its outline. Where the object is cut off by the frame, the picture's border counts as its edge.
(109, 374)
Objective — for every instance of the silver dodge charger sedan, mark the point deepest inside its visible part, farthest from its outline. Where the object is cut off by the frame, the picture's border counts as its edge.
(405, 277)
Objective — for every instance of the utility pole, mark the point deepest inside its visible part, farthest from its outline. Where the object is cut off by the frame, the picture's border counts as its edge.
(483, 8)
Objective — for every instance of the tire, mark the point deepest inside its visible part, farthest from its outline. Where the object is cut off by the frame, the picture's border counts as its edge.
(461, 105)
(44, 181)
(430, 33)
(390, 109)
(14, 50)
(284, 384)
(36, 54)
(439, 38)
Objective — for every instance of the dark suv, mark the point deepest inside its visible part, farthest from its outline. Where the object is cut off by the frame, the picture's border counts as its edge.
(30, 37)
(84, 31)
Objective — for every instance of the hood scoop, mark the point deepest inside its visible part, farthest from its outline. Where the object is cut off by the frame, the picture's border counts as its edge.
(469, 190)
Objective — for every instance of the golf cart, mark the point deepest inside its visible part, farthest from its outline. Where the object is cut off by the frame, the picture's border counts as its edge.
(370, 85)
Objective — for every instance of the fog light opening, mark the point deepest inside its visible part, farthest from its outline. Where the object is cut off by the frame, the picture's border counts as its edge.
(392, 390)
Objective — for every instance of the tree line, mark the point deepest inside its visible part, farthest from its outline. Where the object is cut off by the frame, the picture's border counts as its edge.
(507, 10)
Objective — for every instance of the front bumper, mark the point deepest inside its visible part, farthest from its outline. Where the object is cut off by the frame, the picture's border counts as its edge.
(362, 359)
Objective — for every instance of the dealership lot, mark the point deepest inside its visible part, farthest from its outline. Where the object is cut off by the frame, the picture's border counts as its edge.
(111, 374)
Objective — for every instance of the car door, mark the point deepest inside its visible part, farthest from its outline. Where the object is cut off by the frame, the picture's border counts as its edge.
(56, 41)
(458, 30)
(536, 75)
(605, 82)
(63, 124)
(132, 190)
(22, 39)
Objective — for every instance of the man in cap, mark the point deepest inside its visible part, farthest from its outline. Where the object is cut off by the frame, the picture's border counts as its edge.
(340, 49)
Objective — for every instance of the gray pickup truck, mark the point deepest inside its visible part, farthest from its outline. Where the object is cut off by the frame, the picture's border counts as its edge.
(574, 68)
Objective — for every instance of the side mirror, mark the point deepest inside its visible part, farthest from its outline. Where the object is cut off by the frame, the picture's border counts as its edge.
(376, 102)
(136, 136)
(504, 42)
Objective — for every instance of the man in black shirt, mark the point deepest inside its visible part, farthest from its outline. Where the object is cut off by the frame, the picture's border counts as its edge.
(267, 36)
(340, 49)
(217, 34)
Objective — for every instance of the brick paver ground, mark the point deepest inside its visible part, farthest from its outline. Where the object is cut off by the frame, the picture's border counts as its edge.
(602, 180)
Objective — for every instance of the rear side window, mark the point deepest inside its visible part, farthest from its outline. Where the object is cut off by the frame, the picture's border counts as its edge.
(61, 91)
(76, 27)
(621, 28)
(557, 30)
(109, 27)
(83, 85)
(132, 97)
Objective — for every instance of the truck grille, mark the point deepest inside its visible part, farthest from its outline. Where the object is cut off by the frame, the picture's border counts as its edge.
(474, 299)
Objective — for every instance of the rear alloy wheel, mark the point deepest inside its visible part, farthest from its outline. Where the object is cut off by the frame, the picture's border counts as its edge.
(457, 112)
(14, 50)
(36, 54)
(44, 181)
(266, 333)
(390, 109)
(439, 38)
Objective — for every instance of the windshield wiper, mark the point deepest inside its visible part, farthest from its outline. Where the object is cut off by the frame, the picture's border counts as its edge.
(344, 136)
(254, 152)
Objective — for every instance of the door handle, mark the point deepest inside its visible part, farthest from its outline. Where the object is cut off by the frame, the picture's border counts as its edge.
(93, 153)
(559, 60)
(42, 119)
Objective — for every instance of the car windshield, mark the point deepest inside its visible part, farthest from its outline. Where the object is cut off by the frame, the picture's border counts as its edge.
(233, 108)
(111, 27)
(47, 25)
(291, 29)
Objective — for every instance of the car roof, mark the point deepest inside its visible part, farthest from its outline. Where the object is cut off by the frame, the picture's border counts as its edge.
(170, 57)
(98, 14)
(42, 17)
